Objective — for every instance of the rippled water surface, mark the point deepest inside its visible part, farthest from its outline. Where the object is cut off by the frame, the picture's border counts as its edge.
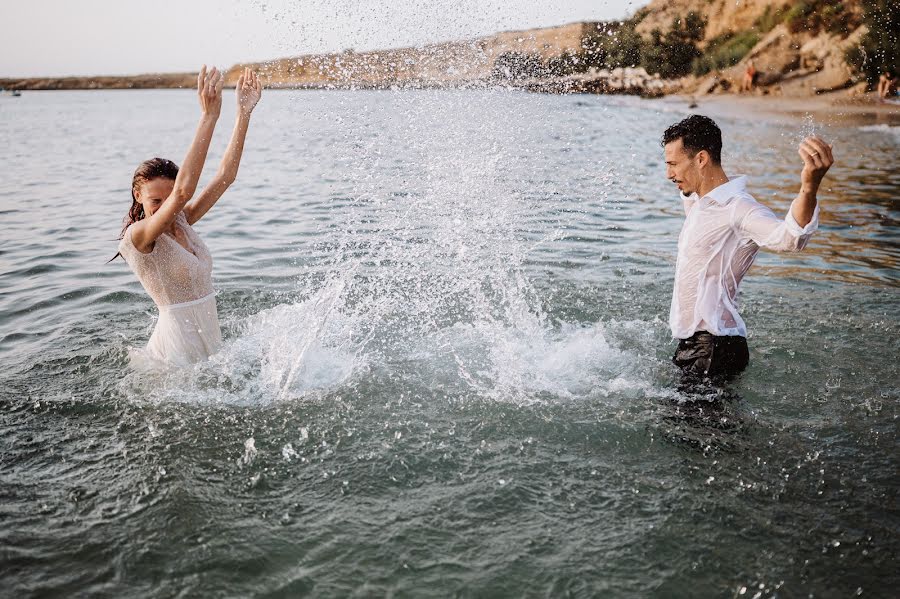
(446, 363)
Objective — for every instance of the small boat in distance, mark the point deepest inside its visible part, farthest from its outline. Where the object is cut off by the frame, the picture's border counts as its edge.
(10, 92)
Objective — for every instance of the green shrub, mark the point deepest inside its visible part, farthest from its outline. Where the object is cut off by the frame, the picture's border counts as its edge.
(797, 17)
(515, 66)
(673, 54)
(814, 16)
(624, 49)
(724, 51)
(567, 63)
(879, 49)
(771, 17)
(611, 46)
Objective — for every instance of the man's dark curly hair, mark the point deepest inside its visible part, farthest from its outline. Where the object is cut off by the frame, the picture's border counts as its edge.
(697, 133)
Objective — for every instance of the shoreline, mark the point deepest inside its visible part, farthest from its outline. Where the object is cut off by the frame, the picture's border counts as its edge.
(835, 107)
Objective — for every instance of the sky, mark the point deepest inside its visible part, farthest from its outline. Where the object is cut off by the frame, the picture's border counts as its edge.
(44, 38)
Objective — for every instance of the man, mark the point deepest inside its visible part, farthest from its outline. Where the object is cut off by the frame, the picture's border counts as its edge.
(724, 228)
(887, 85)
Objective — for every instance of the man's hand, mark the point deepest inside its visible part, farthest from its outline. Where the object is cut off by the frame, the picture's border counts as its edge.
(209, 90)
(249, 91)
(817, 159)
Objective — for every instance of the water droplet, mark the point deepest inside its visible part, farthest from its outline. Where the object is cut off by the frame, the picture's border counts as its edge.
(288, 452)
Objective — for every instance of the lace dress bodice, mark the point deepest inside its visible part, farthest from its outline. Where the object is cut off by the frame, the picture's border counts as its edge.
(170, 273)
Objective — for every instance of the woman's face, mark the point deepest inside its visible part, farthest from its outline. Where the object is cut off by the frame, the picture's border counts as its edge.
(151, 194)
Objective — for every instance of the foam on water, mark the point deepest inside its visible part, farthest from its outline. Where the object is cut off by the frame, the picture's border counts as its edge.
(289, 350)
(569, 362)
(278, 356)
(891, 130)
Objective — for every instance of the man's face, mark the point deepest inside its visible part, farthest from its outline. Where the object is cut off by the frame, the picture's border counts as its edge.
(681, 168)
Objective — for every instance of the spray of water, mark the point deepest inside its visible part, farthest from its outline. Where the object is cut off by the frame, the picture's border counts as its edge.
(427, 266)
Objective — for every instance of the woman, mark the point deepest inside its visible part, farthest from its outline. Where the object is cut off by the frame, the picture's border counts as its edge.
(168, 257)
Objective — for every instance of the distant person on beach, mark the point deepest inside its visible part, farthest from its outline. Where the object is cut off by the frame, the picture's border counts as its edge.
(724, 229)
(887, 85)
(750, 75)
(168, 257)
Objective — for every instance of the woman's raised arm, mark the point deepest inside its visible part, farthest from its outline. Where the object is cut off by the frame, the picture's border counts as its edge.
(248, 92)
(209, 89)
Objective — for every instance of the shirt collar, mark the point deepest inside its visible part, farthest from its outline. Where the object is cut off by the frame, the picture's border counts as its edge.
(724, 192)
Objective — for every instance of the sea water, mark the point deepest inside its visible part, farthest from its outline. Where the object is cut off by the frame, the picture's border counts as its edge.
(446, 362)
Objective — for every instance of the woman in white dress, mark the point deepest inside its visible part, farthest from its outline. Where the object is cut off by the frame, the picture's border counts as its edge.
(168, 257)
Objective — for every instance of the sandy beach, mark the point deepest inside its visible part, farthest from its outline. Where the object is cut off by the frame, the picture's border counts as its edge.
(835, 108)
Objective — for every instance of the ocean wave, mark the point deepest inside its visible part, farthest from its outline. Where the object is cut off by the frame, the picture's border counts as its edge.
(892, 130)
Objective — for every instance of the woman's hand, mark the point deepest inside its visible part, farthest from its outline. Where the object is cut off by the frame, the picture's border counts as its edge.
(209, 90)
(248, 90)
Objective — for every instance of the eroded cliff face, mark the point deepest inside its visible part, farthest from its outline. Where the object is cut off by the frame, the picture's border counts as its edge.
(722, 16)
(790, 64)
(797, 64)
(793, 58)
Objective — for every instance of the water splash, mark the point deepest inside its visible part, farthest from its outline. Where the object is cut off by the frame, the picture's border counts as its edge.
(425, 267)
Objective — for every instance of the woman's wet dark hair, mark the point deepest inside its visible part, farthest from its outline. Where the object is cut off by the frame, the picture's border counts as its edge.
(155, 168)
(697, 133)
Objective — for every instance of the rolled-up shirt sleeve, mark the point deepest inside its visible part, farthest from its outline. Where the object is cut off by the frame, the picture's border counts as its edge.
(764, 228)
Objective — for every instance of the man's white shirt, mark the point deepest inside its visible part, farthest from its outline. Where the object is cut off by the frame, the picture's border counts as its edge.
(722, 233)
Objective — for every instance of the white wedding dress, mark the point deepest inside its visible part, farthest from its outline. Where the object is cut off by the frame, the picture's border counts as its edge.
(179, 281)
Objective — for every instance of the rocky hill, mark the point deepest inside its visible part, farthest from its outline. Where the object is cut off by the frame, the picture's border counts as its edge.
(722, 16)
(442, 64)
(798, 47)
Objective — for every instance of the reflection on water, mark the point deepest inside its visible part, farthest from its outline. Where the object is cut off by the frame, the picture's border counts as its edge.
(446, 359)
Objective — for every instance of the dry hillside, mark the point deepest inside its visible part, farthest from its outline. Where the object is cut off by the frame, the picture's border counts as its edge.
(449, 63)
(798, 48)
(722, 15)
(796, 54)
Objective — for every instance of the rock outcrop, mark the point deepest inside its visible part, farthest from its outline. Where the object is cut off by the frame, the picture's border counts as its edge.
(796, 61)
(722, 16)
(789, 65)
(630, 81)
